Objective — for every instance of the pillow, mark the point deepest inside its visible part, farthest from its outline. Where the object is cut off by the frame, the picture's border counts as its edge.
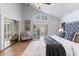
(76, 38)
(69, 36)
(61, 34)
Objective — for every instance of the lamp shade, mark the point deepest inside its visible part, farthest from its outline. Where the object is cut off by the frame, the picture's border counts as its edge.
(61, 30)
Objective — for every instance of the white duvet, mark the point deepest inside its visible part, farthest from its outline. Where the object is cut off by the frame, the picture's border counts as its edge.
(71, 48)
(38, 48)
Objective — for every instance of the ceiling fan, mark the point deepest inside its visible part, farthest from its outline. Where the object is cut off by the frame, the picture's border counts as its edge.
(48, 3)
(38, 5)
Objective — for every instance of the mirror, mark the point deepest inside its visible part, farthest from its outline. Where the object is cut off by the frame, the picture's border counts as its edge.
(11, 31)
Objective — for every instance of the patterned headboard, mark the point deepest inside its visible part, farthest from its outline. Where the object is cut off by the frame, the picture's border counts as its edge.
(72, 27)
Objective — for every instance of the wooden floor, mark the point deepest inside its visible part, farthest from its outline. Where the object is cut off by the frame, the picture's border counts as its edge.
(15, 50)
(29, 48)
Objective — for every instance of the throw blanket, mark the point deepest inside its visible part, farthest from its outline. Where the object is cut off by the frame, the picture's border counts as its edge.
(53, 47)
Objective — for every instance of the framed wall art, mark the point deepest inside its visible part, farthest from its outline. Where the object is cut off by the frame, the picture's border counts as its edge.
(27, 25)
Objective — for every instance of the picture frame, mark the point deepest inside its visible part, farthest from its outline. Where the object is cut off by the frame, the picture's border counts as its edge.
(76, 37)
(27, 25)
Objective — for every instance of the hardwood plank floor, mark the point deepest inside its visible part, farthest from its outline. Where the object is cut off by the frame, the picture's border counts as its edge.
(29, 48)
(15, 50)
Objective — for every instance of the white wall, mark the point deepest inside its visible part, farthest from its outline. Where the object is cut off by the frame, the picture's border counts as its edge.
(53, 23)
(0, 25)
(29, 13)
(13, 11)
(71, 17)
(0, 31)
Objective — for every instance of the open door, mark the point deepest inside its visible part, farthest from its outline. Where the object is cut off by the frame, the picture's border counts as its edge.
(11, 31)
(40, 30)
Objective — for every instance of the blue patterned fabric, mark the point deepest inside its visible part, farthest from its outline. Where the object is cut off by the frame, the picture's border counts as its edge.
(69, 36)
(61, 34)
(71, 28)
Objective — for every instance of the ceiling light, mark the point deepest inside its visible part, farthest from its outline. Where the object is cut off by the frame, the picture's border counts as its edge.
(38, 5)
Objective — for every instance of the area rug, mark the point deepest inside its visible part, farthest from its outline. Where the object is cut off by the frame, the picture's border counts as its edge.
(35, 48)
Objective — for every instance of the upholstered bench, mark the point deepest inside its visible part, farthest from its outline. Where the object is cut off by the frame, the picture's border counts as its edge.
(25, 36)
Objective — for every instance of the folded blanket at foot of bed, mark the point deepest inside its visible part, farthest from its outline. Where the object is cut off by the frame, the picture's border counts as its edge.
(53, 47)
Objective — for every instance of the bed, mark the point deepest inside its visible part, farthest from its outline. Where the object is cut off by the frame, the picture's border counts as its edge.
(58, 46)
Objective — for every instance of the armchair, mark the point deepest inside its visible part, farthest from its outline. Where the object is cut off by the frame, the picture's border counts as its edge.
(25, 36)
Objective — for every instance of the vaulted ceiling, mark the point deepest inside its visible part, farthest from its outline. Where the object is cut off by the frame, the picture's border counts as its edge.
(59, 9)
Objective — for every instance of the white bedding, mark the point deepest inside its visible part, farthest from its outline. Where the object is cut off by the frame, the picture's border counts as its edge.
(71, 48)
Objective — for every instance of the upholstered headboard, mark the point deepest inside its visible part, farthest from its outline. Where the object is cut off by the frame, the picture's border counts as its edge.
(72, 27)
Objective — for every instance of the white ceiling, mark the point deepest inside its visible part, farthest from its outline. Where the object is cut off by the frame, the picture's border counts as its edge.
(59, 9)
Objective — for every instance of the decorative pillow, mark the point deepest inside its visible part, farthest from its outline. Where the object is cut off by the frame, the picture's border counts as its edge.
(69, 36)
(76, 37)
(61, 34)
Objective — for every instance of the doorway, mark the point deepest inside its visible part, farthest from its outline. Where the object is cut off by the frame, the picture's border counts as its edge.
(11, 31)
(40, 29)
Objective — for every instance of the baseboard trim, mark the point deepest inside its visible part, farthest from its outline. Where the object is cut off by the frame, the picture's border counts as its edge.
(7, 47)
